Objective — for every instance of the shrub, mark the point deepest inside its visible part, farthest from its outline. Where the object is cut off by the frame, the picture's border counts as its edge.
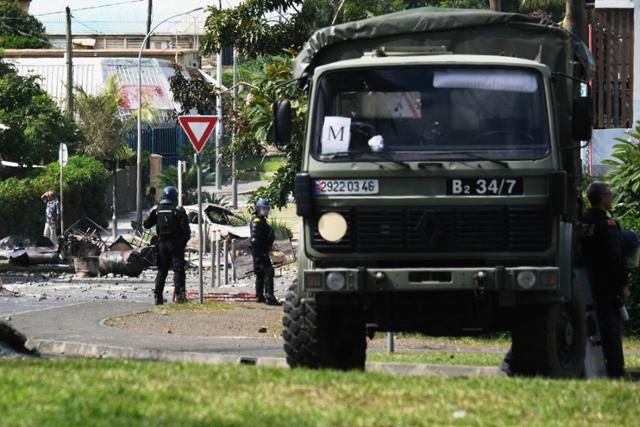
(633, 305)
(85, 186)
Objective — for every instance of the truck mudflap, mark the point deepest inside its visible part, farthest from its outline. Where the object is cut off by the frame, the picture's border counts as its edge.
(478, 279)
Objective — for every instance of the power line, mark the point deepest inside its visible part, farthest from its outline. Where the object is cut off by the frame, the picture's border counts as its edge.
(86, 26)
(92, 7)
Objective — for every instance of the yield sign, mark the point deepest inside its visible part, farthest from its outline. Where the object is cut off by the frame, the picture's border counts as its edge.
(198, 129)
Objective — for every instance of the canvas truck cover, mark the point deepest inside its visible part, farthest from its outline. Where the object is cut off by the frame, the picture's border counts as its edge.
(459, 31)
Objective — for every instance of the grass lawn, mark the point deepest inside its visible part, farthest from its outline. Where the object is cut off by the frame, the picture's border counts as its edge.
(438, 357)
(121, 392)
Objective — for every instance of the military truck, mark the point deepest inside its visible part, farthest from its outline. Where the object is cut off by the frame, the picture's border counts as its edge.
(440, 186)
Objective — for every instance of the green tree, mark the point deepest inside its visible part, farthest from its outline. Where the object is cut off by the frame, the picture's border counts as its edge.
(18, 29)
(253, 122)
(35, 124)
(624, 175)
(103, 129)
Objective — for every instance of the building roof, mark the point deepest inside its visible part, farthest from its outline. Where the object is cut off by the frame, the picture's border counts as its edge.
(92, 73)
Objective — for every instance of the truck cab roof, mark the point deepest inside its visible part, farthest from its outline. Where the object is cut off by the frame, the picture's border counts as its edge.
(371, 61)
(459, 31)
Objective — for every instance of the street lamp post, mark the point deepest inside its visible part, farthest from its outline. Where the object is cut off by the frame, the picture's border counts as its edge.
(139, 193)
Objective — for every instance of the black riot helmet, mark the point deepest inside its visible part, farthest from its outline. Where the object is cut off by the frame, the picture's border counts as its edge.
(169, 196)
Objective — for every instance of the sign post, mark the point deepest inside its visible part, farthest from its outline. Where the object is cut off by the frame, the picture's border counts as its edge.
(63, 158)
(198, 130)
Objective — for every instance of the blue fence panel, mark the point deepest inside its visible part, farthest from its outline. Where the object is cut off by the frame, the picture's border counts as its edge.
(163, 140)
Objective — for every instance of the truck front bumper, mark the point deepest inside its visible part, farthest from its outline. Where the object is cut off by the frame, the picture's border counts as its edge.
(481, 279)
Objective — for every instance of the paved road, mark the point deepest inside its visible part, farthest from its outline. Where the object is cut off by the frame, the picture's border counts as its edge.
(67, 308)
(82, 323)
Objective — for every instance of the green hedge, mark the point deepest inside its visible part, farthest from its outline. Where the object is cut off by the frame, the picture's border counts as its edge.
(631, 221)
(85, 187)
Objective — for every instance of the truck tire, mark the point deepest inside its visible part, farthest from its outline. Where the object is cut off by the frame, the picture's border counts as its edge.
(550, 340)
(300, 331)
(317, 337)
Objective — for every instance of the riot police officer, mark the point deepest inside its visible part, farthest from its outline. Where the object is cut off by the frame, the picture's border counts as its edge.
(262, 238)
(602, 248)
(172, 225)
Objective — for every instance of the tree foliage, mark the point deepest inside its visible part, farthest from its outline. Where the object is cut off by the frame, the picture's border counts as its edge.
(35, 124)
(253, 121)
(624, 175)
(18, 29)
(192, 93)
(101, 123)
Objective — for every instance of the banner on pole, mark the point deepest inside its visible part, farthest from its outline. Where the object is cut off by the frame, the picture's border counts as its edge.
(198, 129)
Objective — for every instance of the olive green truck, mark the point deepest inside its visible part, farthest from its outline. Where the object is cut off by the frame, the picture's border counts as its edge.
(440, 186)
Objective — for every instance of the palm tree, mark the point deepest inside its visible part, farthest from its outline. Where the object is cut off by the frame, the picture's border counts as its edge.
(103, 129)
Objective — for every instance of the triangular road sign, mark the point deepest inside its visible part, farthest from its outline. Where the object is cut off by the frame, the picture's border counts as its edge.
(198, 129)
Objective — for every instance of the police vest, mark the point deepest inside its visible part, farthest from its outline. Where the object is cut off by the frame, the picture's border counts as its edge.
(166, 221)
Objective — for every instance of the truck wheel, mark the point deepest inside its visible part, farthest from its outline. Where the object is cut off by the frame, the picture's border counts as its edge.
(300, 331)
(316, 337)
(550, 340)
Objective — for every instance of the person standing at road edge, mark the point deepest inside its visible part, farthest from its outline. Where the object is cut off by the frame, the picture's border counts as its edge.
(262, 238)
(172, 225)
(52, 216)
(603, 252)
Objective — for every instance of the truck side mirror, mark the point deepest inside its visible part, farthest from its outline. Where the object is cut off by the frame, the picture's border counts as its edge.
(282, 122)
(582, 118)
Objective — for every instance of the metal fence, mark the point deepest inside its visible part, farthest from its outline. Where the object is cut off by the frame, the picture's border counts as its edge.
(610, 37)
(163, 140)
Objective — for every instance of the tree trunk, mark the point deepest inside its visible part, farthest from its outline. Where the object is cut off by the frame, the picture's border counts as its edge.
(114, 186)
(495, 5)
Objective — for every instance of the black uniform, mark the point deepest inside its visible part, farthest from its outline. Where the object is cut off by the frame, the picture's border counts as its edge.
(262, 238)
(173, 234)
(603, 254)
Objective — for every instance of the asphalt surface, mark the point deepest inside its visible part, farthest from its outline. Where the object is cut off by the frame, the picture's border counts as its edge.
(67, 308)
(82, 323)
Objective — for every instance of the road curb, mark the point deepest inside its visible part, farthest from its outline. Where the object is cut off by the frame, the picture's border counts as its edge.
(78, 349)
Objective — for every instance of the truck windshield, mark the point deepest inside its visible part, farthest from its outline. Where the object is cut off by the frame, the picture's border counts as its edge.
(432, 113)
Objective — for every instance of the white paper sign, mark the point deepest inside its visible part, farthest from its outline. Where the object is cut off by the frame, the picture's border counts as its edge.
(63, 154)
(336, 134)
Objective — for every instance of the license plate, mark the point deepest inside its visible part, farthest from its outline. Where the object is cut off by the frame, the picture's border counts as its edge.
(345, 186)
(485, 187)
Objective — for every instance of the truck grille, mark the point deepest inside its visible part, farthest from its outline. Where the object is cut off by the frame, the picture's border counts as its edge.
(455, 229)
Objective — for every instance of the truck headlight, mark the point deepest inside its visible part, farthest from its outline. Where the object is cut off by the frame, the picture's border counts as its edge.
(526, 279)
(332, 226)
(335, 280)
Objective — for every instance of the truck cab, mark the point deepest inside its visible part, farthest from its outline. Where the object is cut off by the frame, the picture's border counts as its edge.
(435, 193)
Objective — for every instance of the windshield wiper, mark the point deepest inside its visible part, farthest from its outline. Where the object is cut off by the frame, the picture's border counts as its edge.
(488, 159)
(473, 156)
(384, 155)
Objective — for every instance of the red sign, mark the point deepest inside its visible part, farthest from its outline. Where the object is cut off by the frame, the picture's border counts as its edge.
(198, 129)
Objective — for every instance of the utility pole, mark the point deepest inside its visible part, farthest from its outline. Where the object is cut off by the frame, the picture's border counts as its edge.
(234, 179)
(219, 126)
(495, 5)
(573, 16)
(149, 10)
(69, 62)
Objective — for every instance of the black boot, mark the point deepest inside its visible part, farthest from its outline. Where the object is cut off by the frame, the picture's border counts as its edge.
(270, 298)
(181, 296)
(159, 300)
